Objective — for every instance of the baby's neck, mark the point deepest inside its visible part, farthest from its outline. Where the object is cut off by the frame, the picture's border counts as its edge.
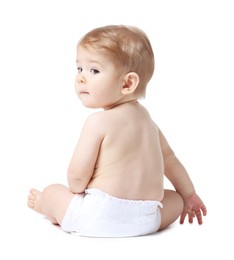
(134, 100)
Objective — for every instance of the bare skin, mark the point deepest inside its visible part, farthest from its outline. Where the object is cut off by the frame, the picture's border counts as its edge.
(108, 177)
(121, 151)
(34, 200)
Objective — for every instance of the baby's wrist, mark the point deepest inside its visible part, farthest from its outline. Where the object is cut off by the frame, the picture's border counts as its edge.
(189, 194)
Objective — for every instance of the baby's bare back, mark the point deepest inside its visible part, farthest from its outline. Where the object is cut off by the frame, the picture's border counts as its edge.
(130, 163)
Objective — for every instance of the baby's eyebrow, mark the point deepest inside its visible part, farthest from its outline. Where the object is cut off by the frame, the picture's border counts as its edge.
(91, 61)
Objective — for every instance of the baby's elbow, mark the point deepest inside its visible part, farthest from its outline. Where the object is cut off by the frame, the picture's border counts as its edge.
(76, 185)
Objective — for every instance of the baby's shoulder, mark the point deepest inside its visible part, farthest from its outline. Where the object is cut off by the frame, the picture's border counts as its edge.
(99, 116)
(99, 119)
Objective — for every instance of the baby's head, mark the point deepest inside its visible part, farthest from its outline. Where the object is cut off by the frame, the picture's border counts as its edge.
(127, 47)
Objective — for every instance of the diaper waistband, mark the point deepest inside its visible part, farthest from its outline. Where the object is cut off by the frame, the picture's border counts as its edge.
(105, 196)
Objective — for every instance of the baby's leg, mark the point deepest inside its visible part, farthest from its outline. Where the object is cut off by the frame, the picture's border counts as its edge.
(172, 208)
(52, 202)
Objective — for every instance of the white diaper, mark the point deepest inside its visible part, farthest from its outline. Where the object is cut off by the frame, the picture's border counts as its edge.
(98, 214)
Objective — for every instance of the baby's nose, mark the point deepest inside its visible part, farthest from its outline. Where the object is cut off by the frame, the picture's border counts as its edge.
(81, 79)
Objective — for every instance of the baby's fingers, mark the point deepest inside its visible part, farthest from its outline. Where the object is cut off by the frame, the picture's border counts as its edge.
(199, 216)
(182, 217)
(191, 215)
(204, 210)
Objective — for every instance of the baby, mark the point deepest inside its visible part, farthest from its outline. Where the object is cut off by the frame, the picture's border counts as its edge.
(115, 177)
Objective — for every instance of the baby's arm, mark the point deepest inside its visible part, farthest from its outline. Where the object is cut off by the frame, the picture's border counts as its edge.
(178, 176)
(174, 170)
(83, 161)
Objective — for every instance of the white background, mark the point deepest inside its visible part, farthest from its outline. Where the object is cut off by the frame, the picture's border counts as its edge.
(190, 97)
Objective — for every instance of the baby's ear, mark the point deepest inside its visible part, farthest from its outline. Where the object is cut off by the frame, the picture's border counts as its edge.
(131, 82)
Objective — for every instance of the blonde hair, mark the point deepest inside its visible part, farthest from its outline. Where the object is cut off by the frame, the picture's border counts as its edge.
(129, 49)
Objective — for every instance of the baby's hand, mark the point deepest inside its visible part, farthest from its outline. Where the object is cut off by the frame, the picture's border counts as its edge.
(193, 207)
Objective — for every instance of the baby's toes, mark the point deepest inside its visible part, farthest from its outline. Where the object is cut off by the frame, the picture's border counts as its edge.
(31, 200)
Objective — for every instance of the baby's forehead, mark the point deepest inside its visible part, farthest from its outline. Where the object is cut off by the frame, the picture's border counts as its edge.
(92, 55)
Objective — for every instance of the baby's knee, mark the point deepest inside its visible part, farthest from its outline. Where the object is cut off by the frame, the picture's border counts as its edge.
(51, 190)
(179, 201)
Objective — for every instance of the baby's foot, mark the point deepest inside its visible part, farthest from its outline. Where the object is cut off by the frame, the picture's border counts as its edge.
(34, 200)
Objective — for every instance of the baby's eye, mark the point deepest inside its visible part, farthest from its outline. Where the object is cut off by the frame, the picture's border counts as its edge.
(94, 71)
(79, 69)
